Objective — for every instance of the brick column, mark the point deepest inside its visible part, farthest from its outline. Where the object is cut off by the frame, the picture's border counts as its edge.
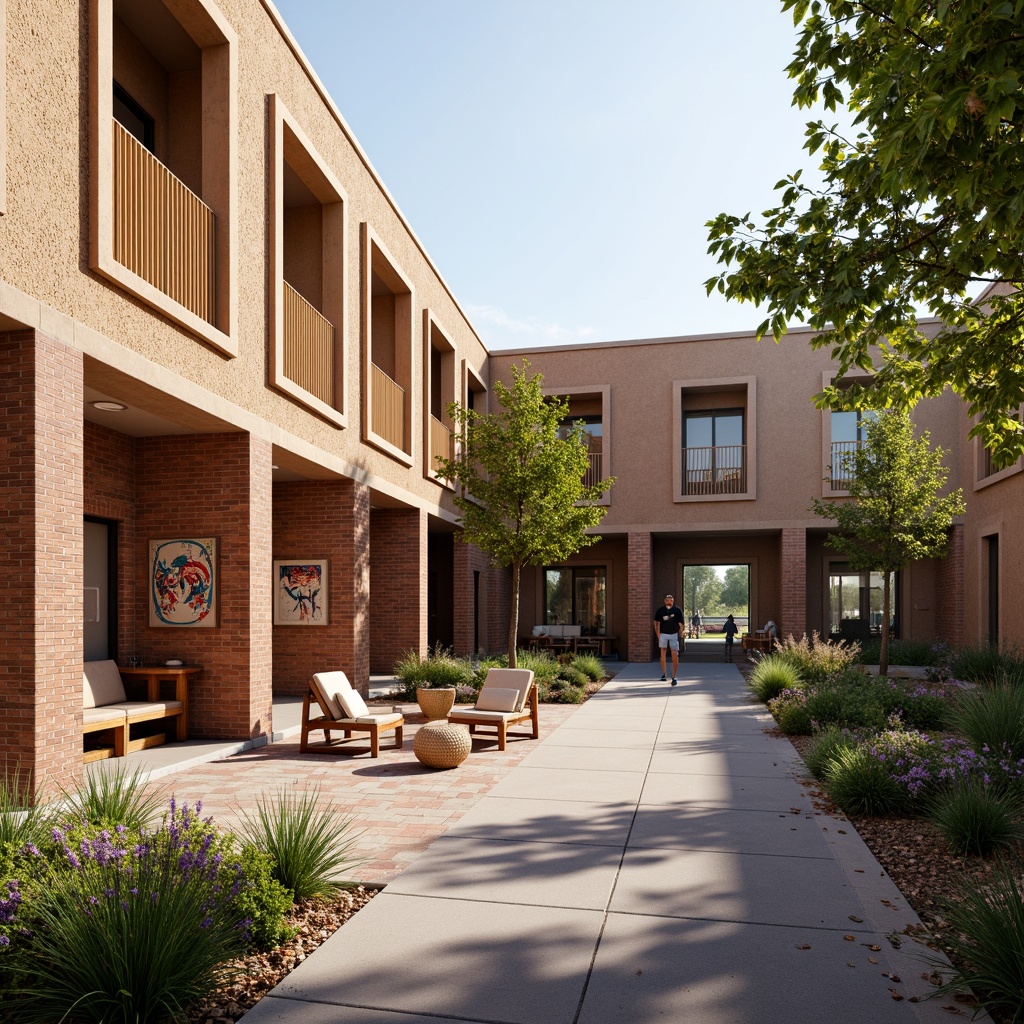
(949, 590)
(398, 585)
(41, 557)
(325, 519)
(213, 486)
(640, 613)
(793, 585)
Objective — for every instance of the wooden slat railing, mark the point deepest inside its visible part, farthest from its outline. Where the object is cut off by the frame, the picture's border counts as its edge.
(162, 230)
(388, 406)
(593, 474)
(308, 347)
(441, 439)
(843, 468)
(715, 470)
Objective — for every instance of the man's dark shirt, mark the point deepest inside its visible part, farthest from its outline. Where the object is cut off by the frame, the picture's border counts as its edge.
(670, 620)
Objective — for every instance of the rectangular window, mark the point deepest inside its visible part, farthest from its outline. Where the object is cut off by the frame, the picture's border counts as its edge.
(848, 431)
(713, 451)
(992, 567)
(856, 604)
(576, 596)
(439, 382)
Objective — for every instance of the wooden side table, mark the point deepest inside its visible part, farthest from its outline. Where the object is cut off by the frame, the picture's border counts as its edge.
(154, 675)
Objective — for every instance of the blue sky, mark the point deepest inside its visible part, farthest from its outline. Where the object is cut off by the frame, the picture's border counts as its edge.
(559, 159)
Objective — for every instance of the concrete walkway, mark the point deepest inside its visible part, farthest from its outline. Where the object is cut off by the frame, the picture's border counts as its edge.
(653, 859)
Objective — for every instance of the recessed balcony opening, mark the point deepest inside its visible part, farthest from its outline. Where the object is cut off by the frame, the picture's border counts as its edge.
(848, 431)
(588, 410)
(439, 384)
(715, 449)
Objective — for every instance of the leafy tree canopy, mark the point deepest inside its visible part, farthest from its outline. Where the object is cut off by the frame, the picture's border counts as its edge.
(895, 514)
(736, 587)
(701, 588)
(925, 202)
(523, 498)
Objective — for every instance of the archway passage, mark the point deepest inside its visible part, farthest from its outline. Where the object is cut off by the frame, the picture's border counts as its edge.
(710, 593)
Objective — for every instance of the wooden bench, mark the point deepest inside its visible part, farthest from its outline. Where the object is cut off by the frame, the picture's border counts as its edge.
(106, 708)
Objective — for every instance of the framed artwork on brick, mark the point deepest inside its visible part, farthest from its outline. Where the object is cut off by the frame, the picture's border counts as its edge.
(183, 582)
(300, 592)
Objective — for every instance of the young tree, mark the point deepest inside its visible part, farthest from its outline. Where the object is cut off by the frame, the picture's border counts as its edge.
(523, 499)
(701, 589)
(894, 515)
(736, 587)
(924, 204)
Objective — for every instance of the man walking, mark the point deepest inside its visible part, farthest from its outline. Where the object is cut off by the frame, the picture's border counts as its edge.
(668, 626)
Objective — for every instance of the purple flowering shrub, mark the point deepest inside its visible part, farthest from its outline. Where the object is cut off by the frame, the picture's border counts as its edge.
(791, 712)
(130, 923)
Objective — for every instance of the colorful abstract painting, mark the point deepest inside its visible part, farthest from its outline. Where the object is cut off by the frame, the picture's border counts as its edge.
(300, 592)
(183, 580)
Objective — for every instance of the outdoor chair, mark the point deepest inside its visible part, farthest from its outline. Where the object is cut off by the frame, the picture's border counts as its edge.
(508, 696)
(343, 710)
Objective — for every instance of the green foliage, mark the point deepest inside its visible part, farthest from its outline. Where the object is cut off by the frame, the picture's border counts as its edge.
(309, 845)
(440, 668)
(986, 937)
(522, 497)
(736, 587)
(263, 901)
(894, 515)
(992, 719)
(771, 676)
(573, 676)
(919, 705)
(21, 821)
(117, 797)
(129, 932)
(850, 700)
(861, 784)
(563, 691)
(923, 203)
(790, 711)
(976, 819)
(701, 589)
(827, 744)
(903, 652)
(986, 663)
(590, 665)
(815, 659)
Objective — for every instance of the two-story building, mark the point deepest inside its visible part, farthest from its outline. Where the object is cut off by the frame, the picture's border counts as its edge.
(226, 356)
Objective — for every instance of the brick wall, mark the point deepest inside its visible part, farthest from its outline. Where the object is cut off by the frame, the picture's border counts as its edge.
(498, 582)
(639, 644)
(325, 519)
(213, 486)
(950, 590)
(110, 494)
(41, 558)
(398, 585)
(793, 582)
(469, 559)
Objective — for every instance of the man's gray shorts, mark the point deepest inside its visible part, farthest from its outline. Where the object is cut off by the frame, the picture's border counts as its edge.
(669, 641)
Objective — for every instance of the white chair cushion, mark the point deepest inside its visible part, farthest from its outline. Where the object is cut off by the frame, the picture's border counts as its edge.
(498, 698)
(571, 630)
(101, 684)
(324, 685)
(555, 630)
(352, 703)
(518, 678)
(472, 715)
(389, 719)
(93, 716)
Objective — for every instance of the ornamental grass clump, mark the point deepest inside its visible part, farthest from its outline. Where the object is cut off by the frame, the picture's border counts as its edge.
(771, 676)
(826, 744)
(440, 668)
(986, 938)
(987, 663)
(815, 659)
(590, 665)
(904, 652)
(977, 819)
(130, 926)
(309, 844)
(861, 784)
(992, 718)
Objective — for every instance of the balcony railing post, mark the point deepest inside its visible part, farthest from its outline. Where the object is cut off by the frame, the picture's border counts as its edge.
(842, 469)
(388, 407)
(308, 346)
(715, 470)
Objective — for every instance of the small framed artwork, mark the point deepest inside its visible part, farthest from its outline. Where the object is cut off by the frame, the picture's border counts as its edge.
(300, 592)
(183, 582)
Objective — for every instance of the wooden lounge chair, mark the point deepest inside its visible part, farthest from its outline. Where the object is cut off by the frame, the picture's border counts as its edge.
(508, 696)
(342, 709)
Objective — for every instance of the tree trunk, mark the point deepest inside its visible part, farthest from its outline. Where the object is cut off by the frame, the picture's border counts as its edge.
(513, 619)
(883, 653)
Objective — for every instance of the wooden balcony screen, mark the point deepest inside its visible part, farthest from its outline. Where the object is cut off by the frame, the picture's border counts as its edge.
(593, 474)
(440, 442)
(388, 407)
(843, 469)
(718, 470)
(162, 230)
(308, 347)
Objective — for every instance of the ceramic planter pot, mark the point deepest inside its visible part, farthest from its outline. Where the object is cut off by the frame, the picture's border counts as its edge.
(435, 702)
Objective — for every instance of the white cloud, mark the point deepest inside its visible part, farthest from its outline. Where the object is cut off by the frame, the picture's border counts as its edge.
(530, 329)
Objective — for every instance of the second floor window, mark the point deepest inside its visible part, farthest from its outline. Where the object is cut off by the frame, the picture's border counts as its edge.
(713, 452)
(849, 431)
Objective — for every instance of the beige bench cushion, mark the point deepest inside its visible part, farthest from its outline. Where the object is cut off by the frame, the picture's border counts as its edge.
(141, 709)
(352, 703)
(472, 715)
(93, 716)
(326, 686)
(507, 678)
(498, 698)
(390, 718)
(101, 684)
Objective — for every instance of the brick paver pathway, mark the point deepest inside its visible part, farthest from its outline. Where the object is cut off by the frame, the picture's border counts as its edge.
(397, 805)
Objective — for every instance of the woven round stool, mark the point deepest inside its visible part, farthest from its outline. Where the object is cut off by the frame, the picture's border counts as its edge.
(441, 745)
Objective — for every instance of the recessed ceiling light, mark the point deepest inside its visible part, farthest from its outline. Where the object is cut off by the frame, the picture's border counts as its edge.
(106, 406)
